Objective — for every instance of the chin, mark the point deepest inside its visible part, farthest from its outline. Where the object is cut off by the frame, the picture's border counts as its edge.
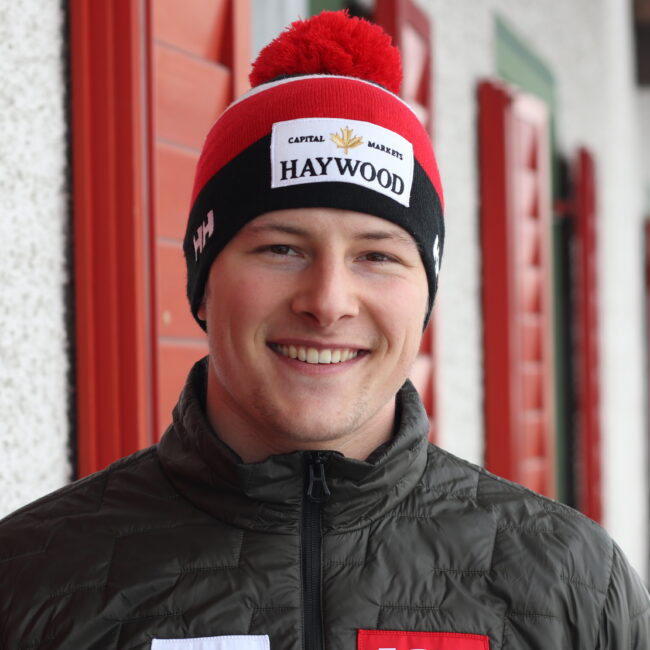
(303, 430)
(306, 431)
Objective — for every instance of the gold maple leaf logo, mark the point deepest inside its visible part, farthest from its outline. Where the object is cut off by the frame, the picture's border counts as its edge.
(346, 140)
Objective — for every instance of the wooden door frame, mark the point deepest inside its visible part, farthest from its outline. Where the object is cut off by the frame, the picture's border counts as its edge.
(111, 206)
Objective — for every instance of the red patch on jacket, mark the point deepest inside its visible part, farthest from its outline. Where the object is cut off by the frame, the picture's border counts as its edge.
(396, 640)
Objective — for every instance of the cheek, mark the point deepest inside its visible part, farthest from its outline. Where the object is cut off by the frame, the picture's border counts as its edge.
(242, 304)
(402, 313)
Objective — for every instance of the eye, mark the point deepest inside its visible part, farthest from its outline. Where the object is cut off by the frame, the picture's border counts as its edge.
(376, 256)
(278, 249)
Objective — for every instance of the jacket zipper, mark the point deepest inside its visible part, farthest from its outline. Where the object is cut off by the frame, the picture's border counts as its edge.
(316, 493)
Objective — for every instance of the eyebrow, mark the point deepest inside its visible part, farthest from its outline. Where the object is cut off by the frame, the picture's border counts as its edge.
(369, 235)
(379, 235)
(276, 227)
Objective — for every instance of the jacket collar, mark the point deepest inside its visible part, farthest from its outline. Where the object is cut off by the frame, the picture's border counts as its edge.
(269, 494)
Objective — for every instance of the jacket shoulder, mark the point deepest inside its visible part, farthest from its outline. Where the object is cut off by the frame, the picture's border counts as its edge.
(82, 495)
(625, 619)
(554, 568)
(123, 496)
(526, 523)
(61, 548)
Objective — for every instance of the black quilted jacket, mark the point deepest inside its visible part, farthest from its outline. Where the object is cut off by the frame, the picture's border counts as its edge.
(183, 541)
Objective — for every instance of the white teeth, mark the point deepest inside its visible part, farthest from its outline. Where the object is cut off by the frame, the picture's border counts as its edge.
(314, 355)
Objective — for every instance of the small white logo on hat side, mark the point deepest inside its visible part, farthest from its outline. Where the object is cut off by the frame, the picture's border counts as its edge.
(203, 233)
(436, 255)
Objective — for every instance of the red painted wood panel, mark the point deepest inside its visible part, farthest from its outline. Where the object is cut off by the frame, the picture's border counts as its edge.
(534, 438)
(532, 339)
(174, 361)
(173, 315)
(590, 488)
(411, 31)
(515, 241)
(201, 57)
(186, 86)
(500, 401)
(195, 26)
(422, 373)
(174, 177)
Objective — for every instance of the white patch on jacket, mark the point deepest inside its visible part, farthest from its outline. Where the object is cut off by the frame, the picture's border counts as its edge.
(237, 642)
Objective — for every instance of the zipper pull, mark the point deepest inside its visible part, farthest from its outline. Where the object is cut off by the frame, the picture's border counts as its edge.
(317, 490)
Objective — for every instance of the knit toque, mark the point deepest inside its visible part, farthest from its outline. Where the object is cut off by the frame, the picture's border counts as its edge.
(321, 127)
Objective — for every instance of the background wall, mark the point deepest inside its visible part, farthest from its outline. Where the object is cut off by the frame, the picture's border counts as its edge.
(566, 36)
(587, 46)
(33, 226)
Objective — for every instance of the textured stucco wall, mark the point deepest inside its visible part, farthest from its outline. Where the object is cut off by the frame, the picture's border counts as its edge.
(33, 217)
(586, 45)
(622, 278)
(270, 17)
(565, 35)
(643, 111)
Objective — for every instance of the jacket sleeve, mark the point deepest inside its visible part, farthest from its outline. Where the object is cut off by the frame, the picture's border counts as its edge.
(625, 619)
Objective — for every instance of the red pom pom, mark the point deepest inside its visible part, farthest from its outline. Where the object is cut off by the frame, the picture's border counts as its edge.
(331, 43)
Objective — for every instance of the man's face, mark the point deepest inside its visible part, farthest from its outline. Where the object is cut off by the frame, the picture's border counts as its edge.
(314, 318)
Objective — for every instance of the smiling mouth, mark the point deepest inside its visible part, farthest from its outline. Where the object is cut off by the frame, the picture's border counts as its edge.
(314, 355)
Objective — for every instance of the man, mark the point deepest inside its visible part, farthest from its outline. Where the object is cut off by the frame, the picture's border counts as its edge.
(295, 502)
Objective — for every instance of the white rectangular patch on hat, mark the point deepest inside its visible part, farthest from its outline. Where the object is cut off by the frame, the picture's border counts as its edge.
(324, 149)
(234, 642)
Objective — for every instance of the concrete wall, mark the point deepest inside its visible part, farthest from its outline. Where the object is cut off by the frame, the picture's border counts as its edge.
(33, 223)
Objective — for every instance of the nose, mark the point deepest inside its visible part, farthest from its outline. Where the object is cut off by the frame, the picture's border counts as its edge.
(327, 293)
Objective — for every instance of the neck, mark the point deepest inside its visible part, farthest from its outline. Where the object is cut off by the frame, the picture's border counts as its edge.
(253, 442)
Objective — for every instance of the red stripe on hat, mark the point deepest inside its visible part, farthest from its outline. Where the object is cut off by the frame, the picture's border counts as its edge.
(252, 118)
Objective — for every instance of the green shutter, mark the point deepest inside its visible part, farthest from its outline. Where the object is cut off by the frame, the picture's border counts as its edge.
(316, 6)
